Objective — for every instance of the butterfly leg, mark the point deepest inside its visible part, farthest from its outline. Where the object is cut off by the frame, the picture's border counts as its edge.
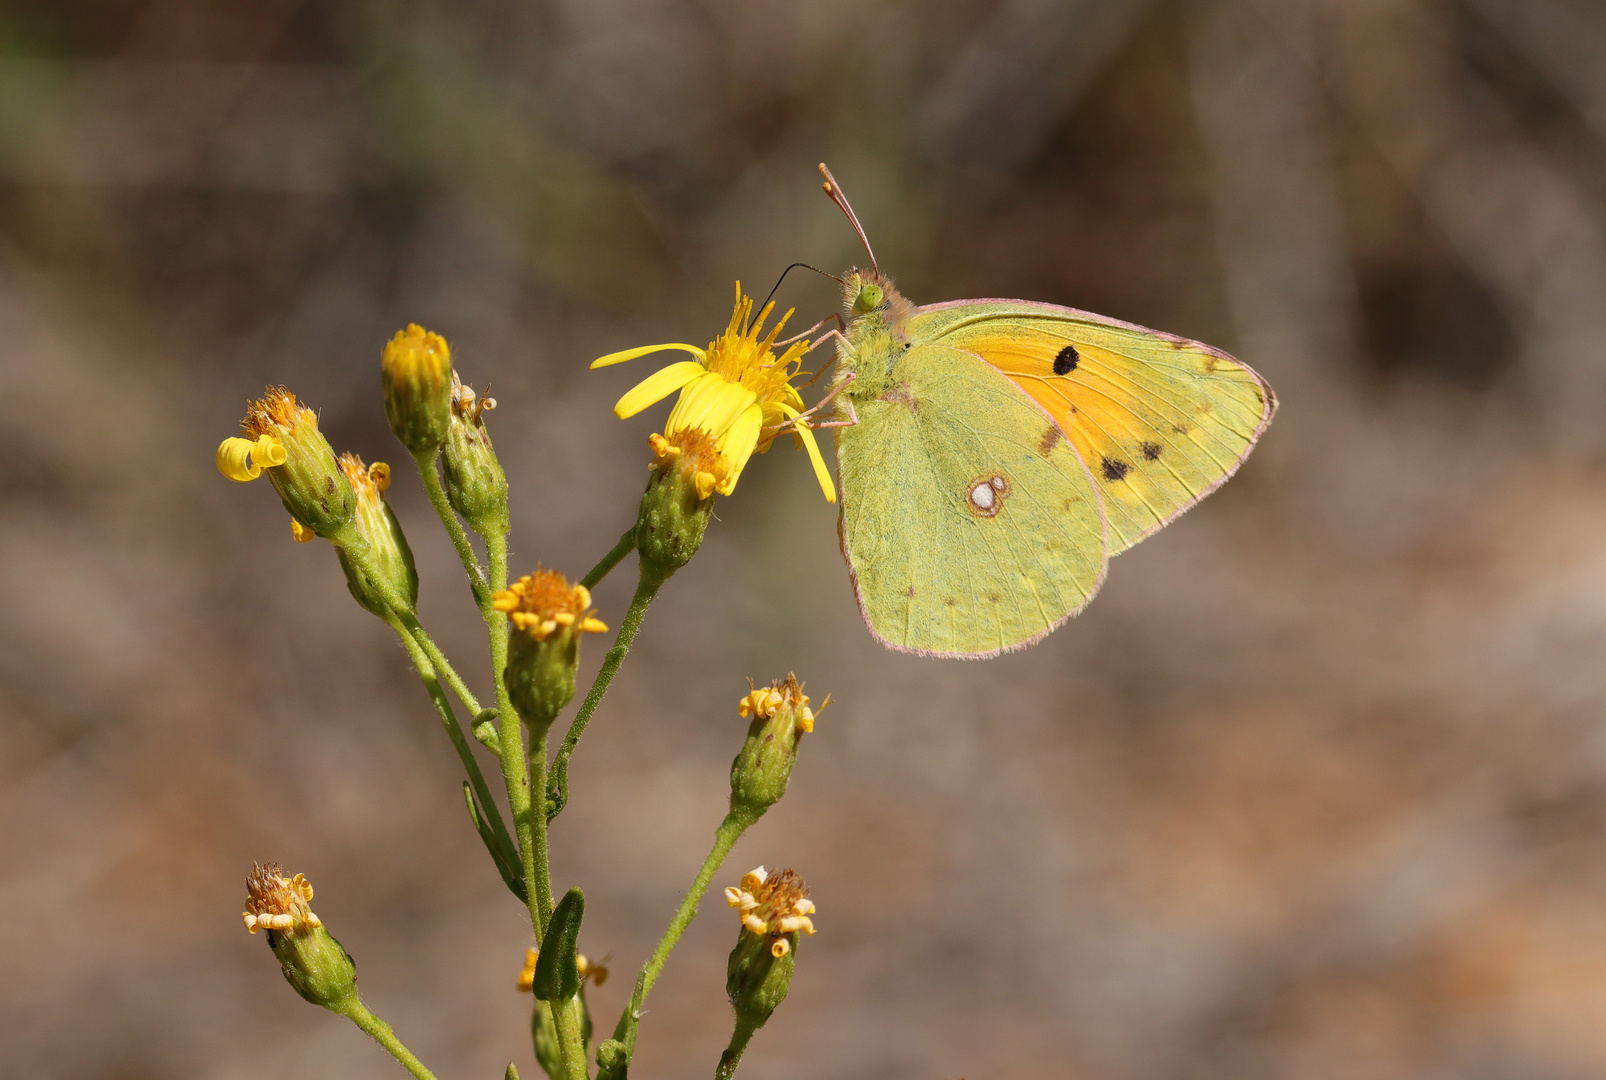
(841, 326)
(807, 418)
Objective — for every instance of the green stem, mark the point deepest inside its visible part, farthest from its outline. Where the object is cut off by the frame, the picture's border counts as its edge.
(454, 731)
(380, 1032)
(730, 830)
(558, 785)
(438, 659)
(529, 825)
(454, 528)
(732, 1056)
(626, 544)
(566, 1018)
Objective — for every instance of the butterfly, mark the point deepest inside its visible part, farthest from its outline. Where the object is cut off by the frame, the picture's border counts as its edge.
(994, 454)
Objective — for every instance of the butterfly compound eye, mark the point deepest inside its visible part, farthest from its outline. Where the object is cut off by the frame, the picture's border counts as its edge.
(869, 298)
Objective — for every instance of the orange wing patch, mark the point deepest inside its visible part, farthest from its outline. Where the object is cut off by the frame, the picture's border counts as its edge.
(1160, 421)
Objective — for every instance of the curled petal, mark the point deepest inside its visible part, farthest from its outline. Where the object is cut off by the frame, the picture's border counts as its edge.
(657, 386)
(645, 350)
(242, 459)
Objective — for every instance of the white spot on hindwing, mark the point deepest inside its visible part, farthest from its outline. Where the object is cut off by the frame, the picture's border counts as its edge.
(984, 496)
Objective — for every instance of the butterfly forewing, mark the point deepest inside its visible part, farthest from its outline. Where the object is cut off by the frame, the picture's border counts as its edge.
(970, 526)
(1160, 421)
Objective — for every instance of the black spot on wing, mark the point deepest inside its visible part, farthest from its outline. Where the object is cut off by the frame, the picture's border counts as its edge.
(1151, 451)
(1065, 362)
(1115, 469)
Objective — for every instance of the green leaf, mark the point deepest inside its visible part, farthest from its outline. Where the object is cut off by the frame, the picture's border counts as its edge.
(557, 976)
(506, 859)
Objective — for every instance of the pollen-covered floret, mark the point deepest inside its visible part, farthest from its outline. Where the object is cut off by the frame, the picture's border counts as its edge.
(765, 702)
(541, 603)
(774, 905)
(275, 902)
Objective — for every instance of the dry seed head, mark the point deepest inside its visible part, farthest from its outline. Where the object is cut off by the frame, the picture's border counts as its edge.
(773, 904)
(275, 902)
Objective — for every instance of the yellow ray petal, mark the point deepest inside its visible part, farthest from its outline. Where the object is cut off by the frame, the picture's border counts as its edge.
(739, 443)
(821, 473)
(631, 354)
(657, 386)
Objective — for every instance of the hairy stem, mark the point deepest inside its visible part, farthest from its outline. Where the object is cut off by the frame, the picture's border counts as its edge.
(730, 830)
(558, 785)
(381, 1033)
(626, 544)
(442, 665)
(566, 1018)
(454, 528)
(529, 821)
(443, 708)
(732, 1056)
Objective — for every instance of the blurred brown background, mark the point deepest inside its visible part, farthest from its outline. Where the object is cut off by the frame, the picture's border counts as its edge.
(1316, 789)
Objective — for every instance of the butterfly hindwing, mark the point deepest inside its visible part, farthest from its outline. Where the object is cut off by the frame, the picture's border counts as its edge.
(969, 525)
(1160, 421)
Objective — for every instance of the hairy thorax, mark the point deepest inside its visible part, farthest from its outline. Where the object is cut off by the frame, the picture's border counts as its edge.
(878, 318)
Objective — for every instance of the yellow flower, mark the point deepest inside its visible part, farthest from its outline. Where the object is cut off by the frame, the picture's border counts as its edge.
(774, 905)
(737, 395)
(541, 602)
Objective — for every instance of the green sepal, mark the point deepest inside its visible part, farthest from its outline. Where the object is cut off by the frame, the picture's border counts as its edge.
(512, 1072)
(506, 859)
(557, 973)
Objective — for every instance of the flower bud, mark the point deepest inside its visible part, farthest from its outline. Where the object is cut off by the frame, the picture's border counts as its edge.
(548, 617)
(678, 501)
(775, 909)
(780, 716)
(303, 471)
(416, 369)
(378, 563)
(313, 961)
(476, 486)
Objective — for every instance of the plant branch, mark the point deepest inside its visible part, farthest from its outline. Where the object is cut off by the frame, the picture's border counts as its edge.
(431, 477)
(558, 785)
(380, 1032)
(454, 731)
(626, 544)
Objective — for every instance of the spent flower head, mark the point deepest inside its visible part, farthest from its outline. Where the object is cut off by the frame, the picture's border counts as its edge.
(282, 439)
(775, 910)
(548, 615)
(312, 960)
(779, 716)
(773, 905)
(476, 486)
(379, 569)
(738, 395)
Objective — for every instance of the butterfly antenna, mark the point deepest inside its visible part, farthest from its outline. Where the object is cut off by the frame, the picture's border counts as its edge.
(788, 270)
(835, 192)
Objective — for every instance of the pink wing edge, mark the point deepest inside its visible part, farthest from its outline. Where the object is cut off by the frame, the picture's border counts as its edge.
(1104, 529)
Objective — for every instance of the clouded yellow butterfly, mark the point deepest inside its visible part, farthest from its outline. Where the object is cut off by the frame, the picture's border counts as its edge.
(1000, 451)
